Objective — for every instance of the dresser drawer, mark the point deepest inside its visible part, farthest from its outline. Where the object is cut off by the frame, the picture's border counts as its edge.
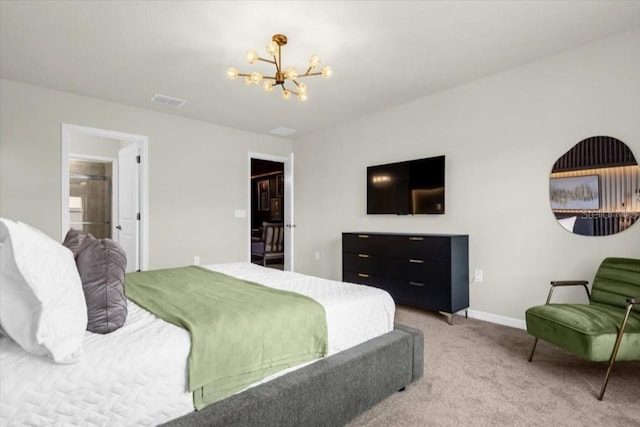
(366, 279)
(364, 263)
(420, 269)
(371, 244)
(413, 292)
(425, 247)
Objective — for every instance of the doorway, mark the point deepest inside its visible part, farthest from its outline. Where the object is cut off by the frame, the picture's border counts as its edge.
(104, 188)
(271, 210)
(91, 196)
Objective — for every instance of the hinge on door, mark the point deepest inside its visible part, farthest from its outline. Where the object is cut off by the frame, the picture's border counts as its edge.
(138, 159)
(138, 216)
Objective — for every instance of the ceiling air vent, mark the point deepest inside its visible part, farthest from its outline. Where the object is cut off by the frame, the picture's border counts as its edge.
(167, 100)
(282, 131)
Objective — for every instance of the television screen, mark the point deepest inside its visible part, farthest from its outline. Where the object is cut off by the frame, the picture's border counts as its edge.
(403, 188)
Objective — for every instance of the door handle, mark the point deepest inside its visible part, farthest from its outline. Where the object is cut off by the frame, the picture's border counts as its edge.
(119, 227)
(290, 225)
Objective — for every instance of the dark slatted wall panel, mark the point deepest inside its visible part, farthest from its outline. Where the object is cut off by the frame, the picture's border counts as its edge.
(595, 152)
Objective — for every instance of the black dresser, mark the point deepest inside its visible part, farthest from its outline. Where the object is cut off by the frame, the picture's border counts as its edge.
(424, 270)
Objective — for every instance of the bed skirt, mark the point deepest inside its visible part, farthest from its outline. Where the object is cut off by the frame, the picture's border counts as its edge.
(330, 392)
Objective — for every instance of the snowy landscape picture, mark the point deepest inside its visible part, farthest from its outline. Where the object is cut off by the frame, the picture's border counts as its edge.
(576, 192)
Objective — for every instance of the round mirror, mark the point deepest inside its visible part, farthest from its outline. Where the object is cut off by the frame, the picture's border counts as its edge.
(595, 187)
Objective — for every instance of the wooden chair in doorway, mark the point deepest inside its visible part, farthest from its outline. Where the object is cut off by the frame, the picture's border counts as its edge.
(271, 246)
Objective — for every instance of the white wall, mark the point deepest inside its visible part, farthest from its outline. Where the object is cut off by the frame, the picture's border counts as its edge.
(501, 136)
(94, 145)
(198, 172)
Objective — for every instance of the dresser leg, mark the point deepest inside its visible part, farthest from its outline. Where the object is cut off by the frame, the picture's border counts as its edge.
(449, 316)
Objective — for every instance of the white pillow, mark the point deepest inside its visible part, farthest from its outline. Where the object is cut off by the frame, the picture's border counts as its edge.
(568, 223)
(42, 305)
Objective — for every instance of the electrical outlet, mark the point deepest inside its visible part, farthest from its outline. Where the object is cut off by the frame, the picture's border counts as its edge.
(478, 275)
(196, 260)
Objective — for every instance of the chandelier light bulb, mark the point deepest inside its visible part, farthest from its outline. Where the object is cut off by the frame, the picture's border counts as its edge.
(256, 77)
(302, 88)
(302, 96)
(252, 56)
(232, 73)
(314, 61)
(247, 81)
(286, 94)
(291, 73)
(272, 48)
(268, 86)
(327, 72)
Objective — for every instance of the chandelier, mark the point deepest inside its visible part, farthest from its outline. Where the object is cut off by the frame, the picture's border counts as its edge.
(281, 77)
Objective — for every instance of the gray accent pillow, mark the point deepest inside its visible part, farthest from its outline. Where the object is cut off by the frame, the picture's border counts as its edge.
(73, 240)
(102, 264)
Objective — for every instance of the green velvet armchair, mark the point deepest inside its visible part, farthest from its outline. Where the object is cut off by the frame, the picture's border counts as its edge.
(607, 329)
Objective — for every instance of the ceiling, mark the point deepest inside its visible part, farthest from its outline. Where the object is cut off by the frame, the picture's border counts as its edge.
(383, 53)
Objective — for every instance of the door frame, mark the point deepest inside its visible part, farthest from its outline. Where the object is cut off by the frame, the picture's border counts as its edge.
(287, 209)
(66, 130)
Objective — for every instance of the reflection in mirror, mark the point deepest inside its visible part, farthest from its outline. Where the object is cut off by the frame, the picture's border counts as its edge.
(595, 187)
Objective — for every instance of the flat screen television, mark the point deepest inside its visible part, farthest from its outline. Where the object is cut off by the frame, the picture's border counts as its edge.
(406, 188)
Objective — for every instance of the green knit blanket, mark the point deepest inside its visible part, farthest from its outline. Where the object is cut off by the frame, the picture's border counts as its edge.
(241, 332)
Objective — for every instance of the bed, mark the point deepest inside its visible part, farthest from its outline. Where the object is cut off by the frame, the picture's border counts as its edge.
(136, 375)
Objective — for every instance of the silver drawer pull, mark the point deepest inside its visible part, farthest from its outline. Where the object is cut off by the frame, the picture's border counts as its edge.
(416, 238)
(416, 261)
(363, 275)
(363, 236)
(363, 256)
(416, 284)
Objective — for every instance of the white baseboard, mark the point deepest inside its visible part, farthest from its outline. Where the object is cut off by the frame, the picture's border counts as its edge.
(496, 318)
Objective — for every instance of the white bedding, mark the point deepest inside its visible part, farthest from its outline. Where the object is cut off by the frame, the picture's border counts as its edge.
(137, 375)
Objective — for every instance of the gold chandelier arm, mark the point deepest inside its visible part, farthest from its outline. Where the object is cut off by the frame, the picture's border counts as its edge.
(289, 90)
(263, 77)
(307, 74)
(267, 60)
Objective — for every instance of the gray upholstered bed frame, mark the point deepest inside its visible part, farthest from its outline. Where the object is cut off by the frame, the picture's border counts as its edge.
(330, 392)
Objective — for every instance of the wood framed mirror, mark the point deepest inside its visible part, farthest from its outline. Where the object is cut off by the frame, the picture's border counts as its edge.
(594, 188)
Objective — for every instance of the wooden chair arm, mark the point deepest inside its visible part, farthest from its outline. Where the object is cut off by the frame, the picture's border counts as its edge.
(555, 283)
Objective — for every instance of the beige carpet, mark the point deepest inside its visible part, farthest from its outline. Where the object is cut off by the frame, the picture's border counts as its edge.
(477, 374)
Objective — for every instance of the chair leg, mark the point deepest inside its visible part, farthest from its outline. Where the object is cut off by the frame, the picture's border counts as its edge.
(614, 353)
(535, 342)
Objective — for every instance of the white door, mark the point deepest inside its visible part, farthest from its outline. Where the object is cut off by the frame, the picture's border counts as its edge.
(288, 214)
(128, 226)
